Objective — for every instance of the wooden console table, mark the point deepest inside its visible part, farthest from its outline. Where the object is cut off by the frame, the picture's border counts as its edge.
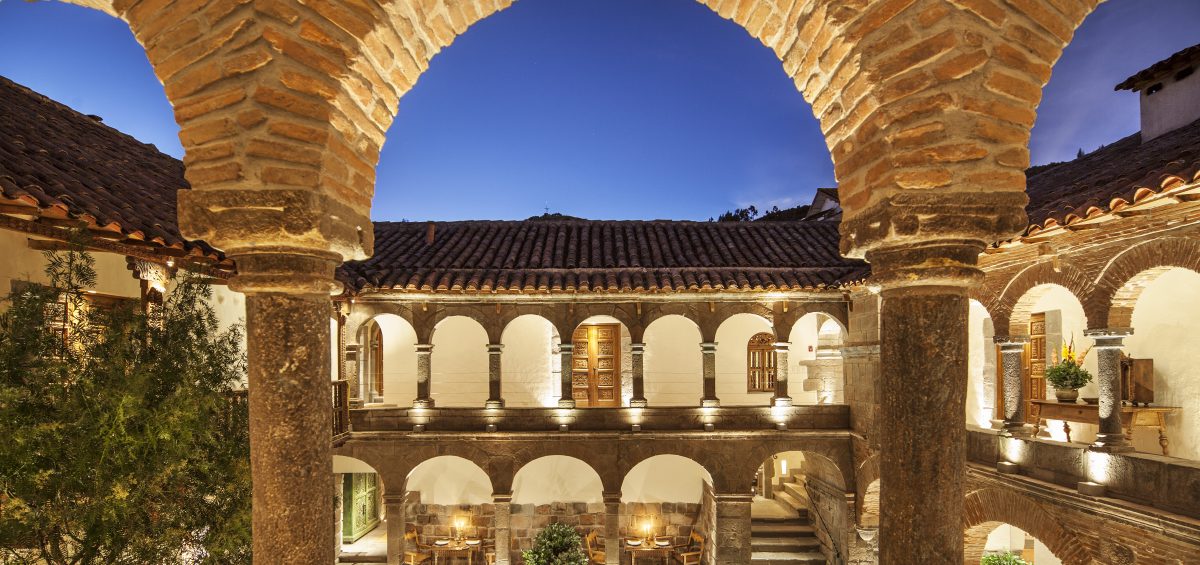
(1131, 417)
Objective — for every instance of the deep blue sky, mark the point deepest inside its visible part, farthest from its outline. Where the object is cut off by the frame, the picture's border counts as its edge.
(595, 108)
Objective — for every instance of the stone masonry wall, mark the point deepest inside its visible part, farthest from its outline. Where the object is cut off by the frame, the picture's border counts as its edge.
(528, 519)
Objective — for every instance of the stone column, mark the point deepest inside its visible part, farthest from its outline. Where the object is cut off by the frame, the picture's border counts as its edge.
(612, 528)
(503, 513)
(495, 400)
(288, 354)
(781, 397)
(638, 351)
(768, 477)
(338, 478)
(567, 399)
(352, 368)
(424, 376)
(1012, 362)
(708, 351)
(393, 514)
(732, 537)
(1107, 346)
(922, 426)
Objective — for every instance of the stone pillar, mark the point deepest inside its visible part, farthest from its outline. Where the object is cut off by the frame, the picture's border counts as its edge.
(732, 537)
(495, 399)
(424, 376)
(781, 397)
(612, 528)
(1012, 362)
(708, 351)
(1107, 345)
(352, 368)
(393, 514)
(288, 354)
(638, 351)
(922, 426)
(768, 477)
(567, 399)
(503, 513)
(338, 479)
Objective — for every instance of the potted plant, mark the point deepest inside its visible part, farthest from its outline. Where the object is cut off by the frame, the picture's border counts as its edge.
(556, 544)
(1068, 375)
(1002, 559)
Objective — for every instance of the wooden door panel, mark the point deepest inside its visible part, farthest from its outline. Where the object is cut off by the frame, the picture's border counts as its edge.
(596, 366)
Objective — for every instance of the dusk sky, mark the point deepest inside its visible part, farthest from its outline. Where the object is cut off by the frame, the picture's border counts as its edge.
(630, 109)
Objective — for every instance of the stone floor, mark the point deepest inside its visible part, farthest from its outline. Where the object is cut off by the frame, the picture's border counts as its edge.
(371, 548)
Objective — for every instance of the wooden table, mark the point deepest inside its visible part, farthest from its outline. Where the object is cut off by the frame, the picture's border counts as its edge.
(454, 550)
(1131, 417)
(660, 553)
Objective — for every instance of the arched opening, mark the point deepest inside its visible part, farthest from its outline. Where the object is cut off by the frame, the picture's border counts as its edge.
(733, 360)
(1052, 317)
(602, 363)
(815, 360)
(459, 371)
(387, 361)
(448, 497)
(673, 366)
(800, 509)
(667, 496)
(1163, 357)
(1000, 539)
(982, 392)
(555, 489)
(359, 526)
(529, 362)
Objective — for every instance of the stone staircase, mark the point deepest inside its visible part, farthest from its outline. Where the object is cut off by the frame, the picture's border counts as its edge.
(786, 540)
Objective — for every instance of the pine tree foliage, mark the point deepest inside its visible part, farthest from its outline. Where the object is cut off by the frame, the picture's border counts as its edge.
(124, 439)
(556, 544)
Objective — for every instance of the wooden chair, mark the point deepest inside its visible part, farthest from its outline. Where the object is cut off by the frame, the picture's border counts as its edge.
(595, 555)
(690, 553)
(415, 552)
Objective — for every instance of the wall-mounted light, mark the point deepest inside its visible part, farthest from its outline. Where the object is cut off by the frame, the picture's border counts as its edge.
(709, 427)
(564, 428)
(490, 428)
(1089, 488)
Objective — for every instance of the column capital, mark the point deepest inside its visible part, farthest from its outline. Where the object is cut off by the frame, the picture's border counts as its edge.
(494, 348)
(1108, 337)
(637, 348)
(393, 499)
(611, 497)
(708, 346)
(783, 346)
(938, 263)
(566, 347)
(502, 497)
(424, 348)
(732, 497)
(1010, 342)
(286, 271)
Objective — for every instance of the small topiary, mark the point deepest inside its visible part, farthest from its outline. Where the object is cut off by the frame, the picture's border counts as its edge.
(556, 544)
(1002, 559)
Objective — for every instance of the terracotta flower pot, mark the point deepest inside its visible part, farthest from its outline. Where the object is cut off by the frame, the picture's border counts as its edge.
(1066, 394)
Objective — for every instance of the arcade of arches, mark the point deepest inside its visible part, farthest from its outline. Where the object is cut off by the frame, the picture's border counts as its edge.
(926, 107)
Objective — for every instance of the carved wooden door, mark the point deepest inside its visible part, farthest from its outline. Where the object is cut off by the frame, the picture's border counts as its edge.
(596, 371)
(1035, 366)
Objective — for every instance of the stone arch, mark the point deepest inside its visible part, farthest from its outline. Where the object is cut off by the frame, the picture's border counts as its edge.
(671, 479)
(468, 482)
(867, 486)
(585, 481)
(1020, 294)
(987, 507)
(1120, 284)
(399, 358)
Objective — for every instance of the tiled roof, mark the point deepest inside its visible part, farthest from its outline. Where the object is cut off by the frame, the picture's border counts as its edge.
(1110, 178)
(1174, 62)
(603, 256)
(64, 168)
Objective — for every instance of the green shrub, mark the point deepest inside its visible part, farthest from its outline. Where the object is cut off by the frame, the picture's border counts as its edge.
(1067, 374)
(1002, 559)
(556, 544)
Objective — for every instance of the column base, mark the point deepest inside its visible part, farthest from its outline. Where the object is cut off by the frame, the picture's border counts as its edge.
(1111, 443)
(638, 403)
(423, 403)
(781, 401)
(1020, 430)
(710, 403)
(494, 403)
(566, 403)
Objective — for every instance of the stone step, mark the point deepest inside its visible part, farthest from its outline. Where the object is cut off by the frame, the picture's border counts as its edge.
(786, 545)
(791, 502)
(347, 558)
(795, 490)
(787, 558)
(779, 529)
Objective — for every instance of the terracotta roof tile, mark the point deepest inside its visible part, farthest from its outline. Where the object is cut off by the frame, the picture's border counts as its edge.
(1176, 61)
(603, 256)
(73, 166)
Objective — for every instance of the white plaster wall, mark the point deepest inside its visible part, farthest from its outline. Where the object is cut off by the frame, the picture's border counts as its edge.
(22, 263)
(450, 480)
(526, 363)
(1065, 321)
(230, 308)
(399, 360)
(665, 478)
(1008, 538)
(981, 367)
(556, 478)
(788, 463)
(804, 341)
(732, 337)
(1165, 322)
(672, 364)
(1170, 108)
(460, 363)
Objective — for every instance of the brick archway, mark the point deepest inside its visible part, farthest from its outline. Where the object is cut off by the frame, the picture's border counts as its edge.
(1119, 286)
(987, 508)
(1011, 312)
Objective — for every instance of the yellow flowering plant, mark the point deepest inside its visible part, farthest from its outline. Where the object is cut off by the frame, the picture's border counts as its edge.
(1068, 373)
